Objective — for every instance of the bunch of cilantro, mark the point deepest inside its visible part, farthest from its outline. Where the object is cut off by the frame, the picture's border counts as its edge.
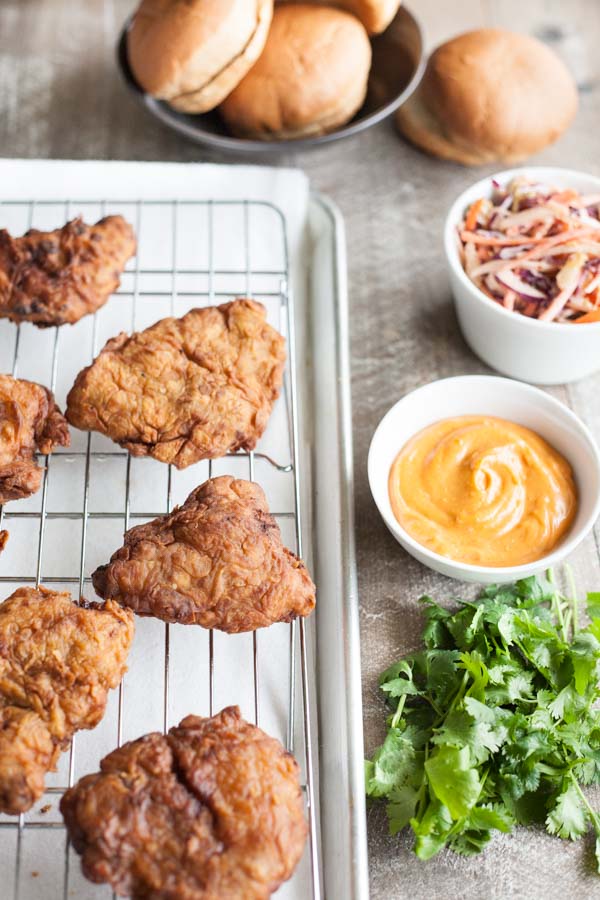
(493, 723)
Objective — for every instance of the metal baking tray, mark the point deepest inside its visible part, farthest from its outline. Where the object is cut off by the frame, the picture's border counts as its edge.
(300, 682)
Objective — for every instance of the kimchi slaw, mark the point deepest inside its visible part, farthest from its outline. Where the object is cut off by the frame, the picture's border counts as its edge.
(535, 250)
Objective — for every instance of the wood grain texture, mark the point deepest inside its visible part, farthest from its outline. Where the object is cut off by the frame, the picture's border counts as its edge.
(62, 97)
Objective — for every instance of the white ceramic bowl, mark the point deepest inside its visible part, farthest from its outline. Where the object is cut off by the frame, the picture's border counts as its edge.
(524, 348)
(492, 396)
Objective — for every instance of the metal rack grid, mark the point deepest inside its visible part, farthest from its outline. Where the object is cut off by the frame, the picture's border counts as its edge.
(79, 580)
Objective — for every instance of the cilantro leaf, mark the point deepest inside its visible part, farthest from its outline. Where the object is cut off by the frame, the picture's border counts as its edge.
(432, 830)
(401, 807)
(395, 763)
(453, 780)
(482, 817)
(461, 729)
(568, 816)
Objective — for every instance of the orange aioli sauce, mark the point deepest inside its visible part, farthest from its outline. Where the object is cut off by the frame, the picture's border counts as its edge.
(482, 490)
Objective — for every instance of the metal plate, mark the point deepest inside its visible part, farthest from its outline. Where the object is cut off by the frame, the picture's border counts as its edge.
(397, 68)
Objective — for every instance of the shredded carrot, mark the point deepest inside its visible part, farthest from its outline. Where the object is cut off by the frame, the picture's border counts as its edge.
(471, 220)
(593, 316)
(565, 196)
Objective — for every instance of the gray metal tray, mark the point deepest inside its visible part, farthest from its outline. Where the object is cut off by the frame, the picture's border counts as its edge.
(300, 682)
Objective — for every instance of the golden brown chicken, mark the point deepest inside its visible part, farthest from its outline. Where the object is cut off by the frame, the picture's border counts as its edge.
(56, 277)
(58, 661)
(185, 389)
(216, 561)
(210, 811)
(30, 420)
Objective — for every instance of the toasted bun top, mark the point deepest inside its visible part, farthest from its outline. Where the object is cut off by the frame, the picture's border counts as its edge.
(498, 92)
(176, 47)
(315, 57)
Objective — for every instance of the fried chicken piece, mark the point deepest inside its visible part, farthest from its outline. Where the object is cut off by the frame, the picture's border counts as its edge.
(3, 540)
(212, 810)
(29, 420)
(56, 277)
(58, 661)
(184, 389)
(216, 561)
(27, 752)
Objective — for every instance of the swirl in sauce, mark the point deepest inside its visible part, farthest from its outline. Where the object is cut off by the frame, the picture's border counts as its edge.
(484, 491)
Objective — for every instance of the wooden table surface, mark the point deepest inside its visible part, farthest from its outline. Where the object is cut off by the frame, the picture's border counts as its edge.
(61, 97)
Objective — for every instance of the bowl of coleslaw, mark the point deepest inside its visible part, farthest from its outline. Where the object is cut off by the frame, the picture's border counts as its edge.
(523, 254)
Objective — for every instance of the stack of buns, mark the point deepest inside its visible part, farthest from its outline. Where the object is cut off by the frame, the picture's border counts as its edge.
(279, 71)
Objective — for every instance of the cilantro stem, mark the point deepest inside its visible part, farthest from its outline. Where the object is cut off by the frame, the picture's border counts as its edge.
(584, 800)
(545, 769)
(568, 619)
(434, 706)
(422, 792)
(500, 648)
(460, 692)
(399, 709)
(574, 600)
(556, 605)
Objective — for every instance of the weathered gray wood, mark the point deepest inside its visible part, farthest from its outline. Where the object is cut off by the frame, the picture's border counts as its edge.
(61, 96)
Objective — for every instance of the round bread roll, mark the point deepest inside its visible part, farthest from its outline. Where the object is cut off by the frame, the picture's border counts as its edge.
(192, 53)
(375, 15)
(487, 96)
(311, 77)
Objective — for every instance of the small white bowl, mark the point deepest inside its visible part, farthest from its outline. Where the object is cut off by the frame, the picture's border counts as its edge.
(492, 396)
(524, 348)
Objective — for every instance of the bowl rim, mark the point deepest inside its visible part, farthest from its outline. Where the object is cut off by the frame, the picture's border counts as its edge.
(563, 549)
(451, 250)
(230, 143)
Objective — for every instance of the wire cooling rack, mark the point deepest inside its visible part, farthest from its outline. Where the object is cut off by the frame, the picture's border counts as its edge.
(190, 253)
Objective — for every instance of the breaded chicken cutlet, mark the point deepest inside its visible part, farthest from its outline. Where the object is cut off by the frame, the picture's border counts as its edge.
(30, 421)
(58, 661)
(217, 561)
(209, 811)
(184, 389)
(56, 277)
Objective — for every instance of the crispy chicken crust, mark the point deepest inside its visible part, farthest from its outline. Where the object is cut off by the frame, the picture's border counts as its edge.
(216, 561)
(184, 389)
(58, 661)
(212, 810)
(30, 420)
(56, 277)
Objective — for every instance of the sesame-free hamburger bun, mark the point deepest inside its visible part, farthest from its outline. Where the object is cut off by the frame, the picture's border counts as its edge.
(310, 79)
(375, 15)
(192, 53)
(489, 95)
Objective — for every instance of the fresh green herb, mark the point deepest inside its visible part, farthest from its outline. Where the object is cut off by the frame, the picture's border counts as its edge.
(493, 724)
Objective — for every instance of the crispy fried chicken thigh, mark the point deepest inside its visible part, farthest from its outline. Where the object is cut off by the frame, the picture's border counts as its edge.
(56, 277)
(210, 811)
(30, 420)
(184, 389)
(58, 661)
(216, 561)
